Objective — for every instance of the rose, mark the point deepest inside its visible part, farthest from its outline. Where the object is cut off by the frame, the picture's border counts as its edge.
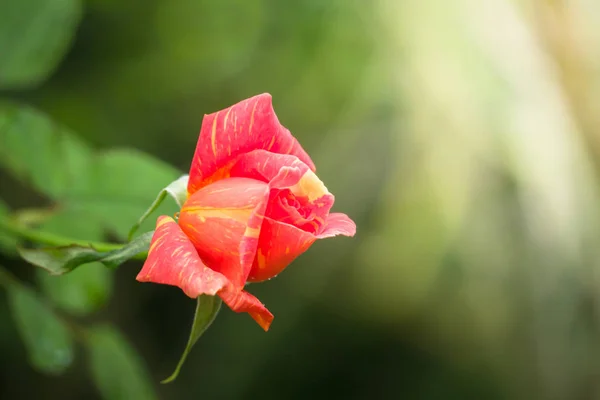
(254, 204)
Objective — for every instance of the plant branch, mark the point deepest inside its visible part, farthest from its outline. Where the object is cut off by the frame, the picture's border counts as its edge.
(52, 239)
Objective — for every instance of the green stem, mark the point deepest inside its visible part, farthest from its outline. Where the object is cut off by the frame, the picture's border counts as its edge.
(51, 239)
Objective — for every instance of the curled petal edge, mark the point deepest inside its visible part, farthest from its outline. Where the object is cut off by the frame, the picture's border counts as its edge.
(338, 224)
(223, 221)
(173, 260)
(241, 128)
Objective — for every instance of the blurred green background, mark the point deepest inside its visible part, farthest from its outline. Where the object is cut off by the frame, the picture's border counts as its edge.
(462, 136)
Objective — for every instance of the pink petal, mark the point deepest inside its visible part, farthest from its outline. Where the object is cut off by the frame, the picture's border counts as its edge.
(242, 301)
(223, 221)
(279, 244)
(264, 165)
(338, 224)
(246, 126)
(173, 260)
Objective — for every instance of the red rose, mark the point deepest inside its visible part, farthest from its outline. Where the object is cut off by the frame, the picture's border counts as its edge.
(254, 204)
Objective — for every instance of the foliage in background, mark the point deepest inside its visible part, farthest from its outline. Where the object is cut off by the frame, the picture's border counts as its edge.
(87, 196)
(461, 135)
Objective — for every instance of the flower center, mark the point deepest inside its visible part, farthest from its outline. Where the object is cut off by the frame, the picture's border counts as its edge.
(298, 211)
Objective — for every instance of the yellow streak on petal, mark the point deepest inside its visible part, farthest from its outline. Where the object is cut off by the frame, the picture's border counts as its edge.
(315, 225)
(153, 246)
(252, 118)
(156, 242)
(225, 119)
(219, 190)
(261, 260)
(270, 146)
(213, 136)
(237, 214)
(192, 228)
(163, 221)
(150, 270)
(260, 320)
(288, 151)
(176, 251)
(225, 127)
(252, 232)
(287, 250)
(310, 186)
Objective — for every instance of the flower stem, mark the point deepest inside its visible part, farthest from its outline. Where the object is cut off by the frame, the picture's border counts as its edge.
(51, 239)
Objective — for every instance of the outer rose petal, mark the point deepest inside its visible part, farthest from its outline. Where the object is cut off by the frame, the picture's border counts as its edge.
(172, 260)
(338, 224)
(223, 221)
(246, 126)
(263, 165)
(242, 301)
(278, 246)
(280, 243)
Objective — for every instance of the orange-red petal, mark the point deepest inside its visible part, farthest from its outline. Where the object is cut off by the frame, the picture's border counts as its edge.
(242, 301)
(227, 134)
(279, 244)
(223, 221)
(338, 224)
(264, 165)
(173, 260)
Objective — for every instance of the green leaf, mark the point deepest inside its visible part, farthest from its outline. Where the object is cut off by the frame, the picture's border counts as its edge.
(126, 182)
(32, 217)
(94, 192)
(207, 308)
(48, 342)
(34, 37)
(60, 260)
(8, 243)
(117, 370)
(85, 290)
(176, 189)
(44, 155)
(81, 292)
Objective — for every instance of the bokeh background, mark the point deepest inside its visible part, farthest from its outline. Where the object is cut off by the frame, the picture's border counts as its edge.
(462, 136)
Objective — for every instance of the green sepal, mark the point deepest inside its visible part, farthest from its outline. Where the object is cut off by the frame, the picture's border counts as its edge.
(178, 191)
(207, 308)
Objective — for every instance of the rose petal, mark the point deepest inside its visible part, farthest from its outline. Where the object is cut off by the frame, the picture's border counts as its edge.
(279, 244)
(173, 260)
(242, 301)
(223, 221)
(246, 126)
(264, 165)
(310, 192)
(338, 224)
(298, 211)
(283, 171)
